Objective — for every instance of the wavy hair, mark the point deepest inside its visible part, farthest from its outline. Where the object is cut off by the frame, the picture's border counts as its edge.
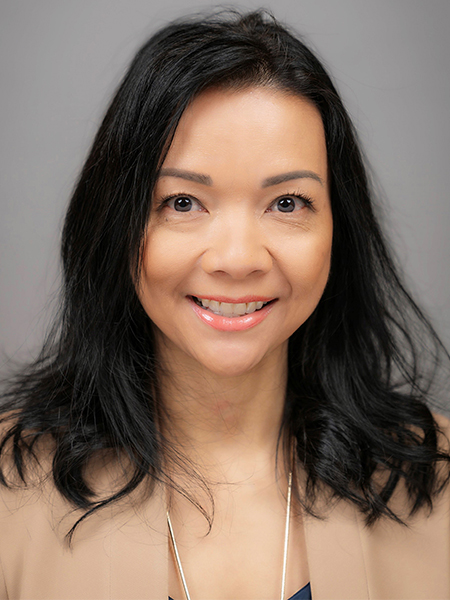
(358, 388)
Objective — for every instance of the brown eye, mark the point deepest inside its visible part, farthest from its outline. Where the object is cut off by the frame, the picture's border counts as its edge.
(286, 204)
(182, 204)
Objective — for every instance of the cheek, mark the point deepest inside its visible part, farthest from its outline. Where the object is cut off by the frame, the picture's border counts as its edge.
(155, 264)
(310, 271)
(318, 268)
(159, 257)
(165, 266)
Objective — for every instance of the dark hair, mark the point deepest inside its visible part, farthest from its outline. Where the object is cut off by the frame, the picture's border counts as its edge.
(357, 391)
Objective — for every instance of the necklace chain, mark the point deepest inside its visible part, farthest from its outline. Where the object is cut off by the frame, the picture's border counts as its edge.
(285, 551)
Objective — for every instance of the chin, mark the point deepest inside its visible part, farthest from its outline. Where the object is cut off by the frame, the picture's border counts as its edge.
(231, 365)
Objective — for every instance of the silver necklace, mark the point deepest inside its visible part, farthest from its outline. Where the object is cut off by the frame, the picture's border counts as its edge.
(285, 552)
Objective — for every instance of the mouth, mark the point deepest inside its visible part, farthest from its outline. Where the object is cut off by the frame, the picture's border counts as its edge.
(229, 309)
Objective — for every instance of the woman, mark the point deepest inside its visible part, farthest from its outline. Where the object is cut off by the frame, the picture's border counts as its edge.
(233, 402)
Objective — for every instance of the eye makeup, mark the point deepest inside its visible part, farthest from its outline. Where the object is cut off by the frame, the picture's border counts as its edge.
(163, 201)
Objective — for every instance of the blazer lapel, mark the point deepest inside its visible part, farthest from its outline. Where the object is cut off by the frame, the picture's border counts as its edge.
(139, 553)
(409, 562)
(335, 556)
(350, 561)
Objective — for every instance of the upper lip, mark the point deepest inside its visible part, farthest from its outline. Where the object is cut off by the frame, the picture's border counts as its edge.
(239, 300)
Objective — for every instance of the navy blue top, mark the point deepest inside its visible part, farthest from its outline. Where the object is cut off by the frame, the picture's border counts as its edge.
(303, 594)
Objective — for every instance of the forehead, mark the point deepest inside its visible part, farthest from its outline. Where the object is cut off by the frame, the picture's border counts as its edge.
(256, 129)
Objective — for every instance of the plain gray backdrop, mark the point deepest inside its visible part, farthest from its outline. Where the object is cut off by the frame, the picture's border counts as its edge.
(61, 60)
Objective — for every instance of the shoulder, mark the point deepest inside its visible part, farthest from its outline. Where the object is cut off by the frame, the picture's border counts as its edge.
(24, 500)
(443, 423)
(407, 560)
(110, 549)
(443, 467)
(29, 501)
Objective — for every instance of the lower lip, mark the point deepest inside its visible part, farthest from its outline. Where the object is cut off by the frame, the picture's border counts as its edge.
(231, 323)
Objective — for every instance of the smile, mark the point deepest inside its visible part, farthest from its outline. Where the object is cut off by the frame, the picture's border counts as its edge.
(232, 316)
(229, 309)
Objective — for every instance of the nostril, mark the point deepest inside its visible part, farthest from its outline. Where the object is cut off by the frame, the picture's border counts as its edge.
(235, 262)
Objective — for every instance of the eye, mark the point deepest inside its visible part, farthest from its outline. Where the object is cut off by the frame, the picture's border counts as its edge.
(182, 203)
(289, 203)
(286, 204)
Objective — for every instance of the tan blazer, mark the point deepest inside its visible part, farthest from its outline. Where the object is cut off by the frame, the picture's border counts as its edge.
(122, 553)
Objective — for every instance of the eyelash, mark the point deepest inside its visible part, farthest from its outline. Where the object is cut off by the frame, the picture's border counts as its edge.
(307, 200)
(164, 200)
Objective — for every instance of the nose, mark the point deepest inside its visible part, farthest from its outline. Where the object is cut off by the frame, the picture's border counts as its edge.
(237, 247)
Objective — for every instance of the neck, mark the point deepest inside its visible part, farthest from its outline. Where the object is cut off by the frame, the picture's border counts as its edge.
(224, 423)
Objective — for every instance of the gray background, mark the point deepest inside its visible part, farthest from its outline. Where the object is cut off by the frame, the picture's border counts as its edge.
(61, 60)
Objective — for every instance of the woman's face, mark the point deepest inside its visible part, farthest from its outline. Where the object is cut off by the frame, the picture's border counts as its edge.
(238, 246)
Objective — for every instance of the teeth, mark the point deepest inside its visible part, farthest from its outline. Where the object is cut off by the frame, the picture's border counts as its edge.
(239, 309)
(226, 309)
(251, 307)
(214, 306)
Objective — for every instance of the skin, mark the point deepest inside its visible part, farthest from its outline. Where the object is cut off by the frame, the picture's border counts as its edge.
(223, 391)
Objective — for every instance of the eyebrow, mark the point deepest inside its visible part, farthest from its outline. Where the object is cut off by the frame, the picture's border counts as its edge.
(189, 175)
(276, 179)
(268, 182)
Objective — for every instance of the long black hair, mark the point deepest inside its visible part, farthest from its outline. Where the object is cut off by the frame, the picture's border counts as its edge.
(357, 398)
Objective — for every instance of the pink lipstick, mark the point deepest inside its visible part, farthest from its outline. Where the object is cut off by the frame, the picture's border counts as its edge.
(232, 323)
